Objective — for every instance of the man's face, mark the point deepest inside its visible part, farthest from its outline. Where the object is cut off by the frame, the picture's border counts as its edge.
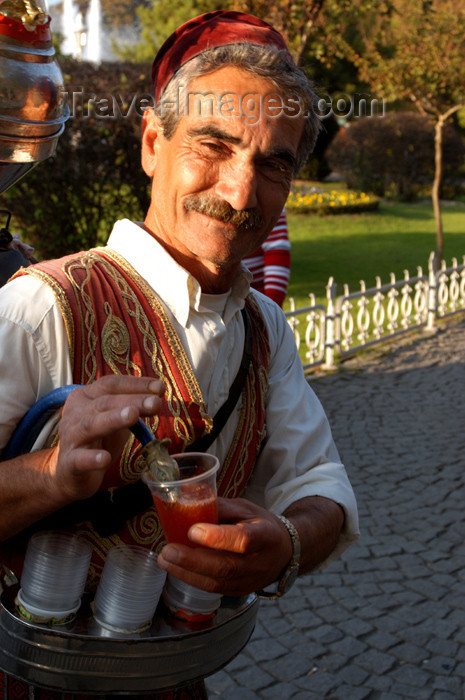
(236, 158)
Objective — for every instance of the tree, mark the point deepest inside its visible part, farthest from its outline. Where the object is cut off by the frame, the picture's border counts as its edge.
(393, 156)
(158, 20)
(116, 13)
(414, 51)
(295, 20)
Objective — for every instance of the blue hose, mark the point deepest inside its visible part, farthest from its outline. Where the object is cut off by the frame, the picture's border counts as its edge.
(28, 429)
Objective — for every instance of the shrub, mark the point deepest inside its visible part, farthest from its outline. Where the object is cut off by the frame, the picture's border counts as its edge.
(393, 155)
(317, 167)
(305, 200)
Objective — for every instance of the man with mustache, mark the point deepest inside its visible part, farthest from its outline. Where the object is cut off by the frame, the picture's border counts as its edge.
(154, 326)
(220, 210)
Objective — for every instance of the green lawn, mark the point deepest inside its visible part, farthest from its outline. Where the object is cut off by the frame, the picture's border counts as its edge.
(353, 247)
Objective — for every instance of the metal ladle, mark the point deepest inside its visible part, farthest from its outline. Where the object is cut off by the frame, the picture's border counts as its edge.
(161, 465)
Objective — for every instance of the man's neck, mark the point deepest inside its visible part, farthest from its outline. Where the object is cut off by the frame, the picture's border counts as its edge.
(213, 279)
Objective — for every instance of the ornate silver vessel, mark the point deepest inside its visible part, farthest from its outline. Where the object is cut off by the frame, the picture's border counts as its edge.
(33, 107)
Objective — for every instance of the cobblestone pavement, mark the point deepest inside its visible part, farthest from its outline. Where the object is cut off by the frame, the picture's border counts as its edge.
(387, 620)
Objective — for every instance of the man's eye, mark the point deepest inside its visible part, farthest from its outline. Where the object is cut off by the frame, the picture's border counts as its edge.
(276, 165)
(277, 170)
(213, 146)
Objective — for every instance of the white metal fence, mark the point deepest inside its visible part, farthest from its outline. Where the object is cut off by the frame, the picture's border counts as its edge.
(356, 320)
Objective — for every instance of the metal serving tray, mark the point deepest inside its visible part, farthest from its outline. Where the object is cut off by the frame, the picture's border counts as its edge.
(84, 657)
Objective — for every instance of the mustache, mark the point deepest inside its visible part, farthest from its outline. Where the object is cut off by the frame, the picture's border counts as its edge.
(219, 209)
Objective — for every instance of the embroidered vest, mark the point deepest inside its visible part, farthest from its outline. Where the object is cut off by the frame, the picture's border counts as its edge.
(116, 324)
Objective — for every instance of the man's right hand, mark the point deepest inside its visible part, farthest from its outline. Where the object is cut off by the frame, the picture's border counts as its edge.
(92, 433)
(94, 428)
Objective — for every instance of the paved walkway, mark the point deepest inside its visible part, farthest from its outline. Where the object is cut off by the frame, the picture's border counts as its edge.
(387, 620)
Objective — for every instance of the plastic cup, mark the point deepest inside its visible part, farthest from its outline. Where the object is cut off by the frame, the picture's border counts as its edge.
(189, 603)
(189, 500)
(54, 575)
(129, 589)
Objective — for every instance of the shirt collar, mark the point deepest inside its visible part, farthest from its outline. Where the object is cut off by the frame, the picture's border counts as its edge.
(178, 289)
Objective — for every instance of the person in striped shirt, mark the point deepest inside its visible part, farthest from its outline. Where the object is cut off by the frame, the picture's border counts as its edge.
(271, 263)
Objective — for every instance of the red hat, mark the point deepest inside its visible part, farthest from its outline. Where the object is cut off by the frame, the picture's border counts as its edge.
(208, 31)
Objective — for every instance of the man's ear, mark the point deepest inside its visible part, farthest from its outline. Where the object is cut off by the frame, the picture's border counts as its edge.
(151, 131)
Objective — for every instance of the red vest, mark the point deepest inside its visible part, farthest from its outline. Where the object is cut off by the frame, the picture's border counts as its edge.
(116, 324)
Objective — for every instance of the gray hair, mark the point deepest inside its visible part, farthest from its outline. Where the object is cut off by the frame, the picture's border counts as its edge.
(265, 61)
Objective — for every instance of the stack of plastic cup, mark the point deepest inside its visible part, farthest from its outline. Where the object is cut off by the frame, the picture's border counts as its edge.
(54, 576)
(129, 590)
(188, 603)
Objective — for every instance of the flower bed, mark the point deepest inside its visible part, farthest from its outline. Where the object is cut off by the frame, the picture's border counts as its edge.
(305, 200)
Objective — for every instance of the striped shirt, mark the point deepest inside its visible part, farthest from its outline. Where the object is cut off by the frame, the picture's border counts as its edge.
(271, 263)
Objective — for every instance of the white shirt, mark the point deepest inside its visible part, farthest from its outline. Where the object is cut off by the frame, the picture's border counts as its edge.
(299, 457)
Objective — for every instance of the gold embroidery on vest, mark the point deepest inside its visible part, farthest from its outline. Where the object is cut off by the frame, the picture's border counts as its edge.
(183, 426)
(168, 330)
(145, 529)
(240, 445)
(247, 433)
(126, 466)
(116, 344)
(87, 321)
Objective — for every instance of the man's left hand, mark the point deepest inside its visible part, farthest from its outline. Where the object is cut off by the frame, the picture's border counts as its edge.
(247, 551)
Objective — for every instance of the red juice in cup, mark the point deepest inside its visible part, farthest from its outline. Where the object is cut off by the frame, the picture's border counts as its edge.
(196, 504)
(189, 500)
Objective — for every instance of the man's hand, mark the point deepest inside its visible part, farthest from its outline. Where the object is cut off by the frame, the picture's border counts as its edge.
(247, 551)
(92, 432)
(251, 547)
(94, 428)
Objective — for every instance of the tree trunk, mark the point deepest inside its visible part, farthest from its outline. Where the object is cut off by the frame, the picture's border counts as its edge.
(306, 30)
(438, 129)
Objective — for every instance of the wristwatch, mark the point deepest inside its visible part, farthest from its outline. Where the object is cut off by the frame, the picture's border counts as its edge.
(289, 575)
